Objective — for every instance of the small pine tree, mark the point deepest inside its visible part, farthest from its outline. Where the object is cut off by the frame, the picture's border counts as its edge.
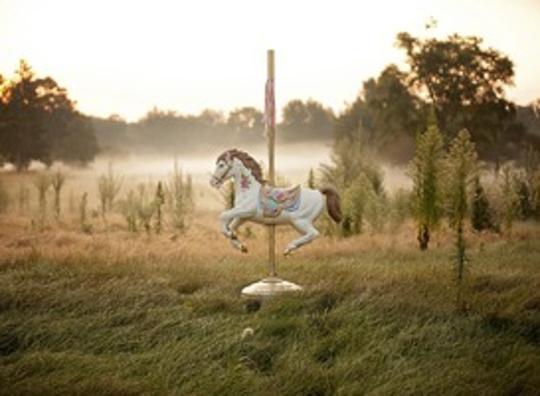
(460, 171)
(425, 170)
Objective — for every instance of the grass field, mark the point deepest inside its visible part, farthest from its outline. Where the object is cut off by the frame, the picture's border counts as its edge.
(113, 313)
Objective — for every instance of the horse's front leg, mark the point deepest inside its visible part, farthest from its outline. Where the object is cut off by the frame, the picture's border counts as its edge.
(230, 220)
(233, 226)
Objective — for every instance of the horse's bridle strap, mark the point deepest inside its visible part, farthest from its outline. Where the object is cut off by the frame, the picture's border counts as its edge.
(222, 177)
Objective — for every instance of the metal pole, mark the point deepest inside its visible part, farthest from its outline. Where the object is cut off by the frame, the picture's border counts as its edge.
(271, 136)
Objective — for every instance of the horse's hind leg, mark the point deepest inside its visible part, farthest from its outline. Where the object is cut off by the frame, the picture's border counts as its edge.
(310, 233)
(233, 226)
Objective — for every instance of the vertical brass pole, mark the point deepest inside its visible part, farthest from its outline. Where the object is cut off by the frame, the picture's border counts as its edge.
(271, 136)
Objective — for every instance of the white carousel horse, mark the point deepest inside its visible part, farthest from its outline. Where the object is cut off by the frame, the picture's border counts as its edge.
(255, 201)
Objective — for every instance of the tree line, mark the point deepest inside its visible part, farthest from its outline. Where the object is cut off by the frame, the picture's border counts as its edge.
(461, 80)
(162, 131)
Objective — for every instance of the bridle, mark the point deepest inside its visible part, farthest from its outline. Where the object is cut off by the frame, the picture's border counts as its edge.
(219, 180)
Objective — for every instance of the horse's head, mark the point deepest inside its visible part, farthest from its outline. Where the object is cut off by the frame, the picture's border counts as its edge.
(234, 163)
(223, 171)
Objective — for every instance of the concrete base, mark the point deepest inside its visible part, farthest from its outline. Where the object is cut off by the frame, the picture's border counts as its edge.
(270, 287)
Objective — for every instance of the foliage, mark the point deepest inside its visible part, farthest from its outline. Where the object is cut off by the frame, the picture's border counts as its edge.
(400, 207)
(384, 116)
(461, 169)
(38, 121)
(482, 216)
(425, 170)
(354, 203)
(466, 85)
(356, 176)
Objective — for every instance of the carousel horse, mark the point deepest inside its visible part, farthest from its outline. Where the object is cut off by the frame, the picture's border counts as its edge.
(256, 201)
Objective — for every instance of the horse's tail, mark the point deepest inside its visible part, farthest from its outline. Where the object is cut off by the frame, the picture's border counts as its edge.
(332, 204)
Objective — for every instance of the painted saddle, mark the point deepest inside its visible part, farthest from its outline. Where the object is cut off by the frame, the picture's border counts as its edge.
(275, 200)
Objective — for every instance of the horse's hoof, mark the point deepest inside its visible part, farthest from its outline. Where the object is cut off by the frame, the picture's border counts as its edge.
(287, 252)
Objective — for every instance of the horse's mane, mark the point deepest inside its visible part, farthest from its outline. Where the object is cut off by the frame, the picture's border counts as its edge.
(248, 161)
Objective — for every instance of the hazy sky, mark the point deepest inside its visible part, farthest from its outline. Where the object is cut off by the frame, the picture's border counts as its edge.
(126, 56)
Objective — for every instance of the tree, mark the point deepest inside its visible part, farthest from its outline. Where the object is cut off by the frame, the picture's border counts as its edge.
(425, 170)
(466, 85)
(392, 114)
(460, 172)
(22, 129)
(384, 116)
(38, 121)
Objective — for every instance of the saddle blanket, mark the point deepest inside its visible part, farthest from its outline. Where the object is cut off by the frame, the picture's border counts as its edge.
(275, 200)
